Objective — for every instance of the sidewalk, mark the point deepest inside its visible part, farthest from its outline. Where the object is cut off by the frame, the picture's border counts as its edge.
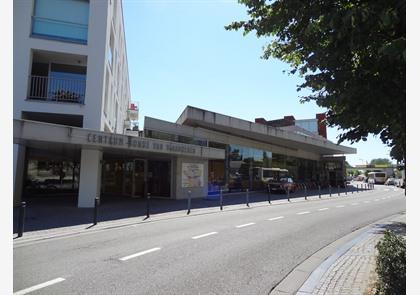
(46, 219)
(351, 269)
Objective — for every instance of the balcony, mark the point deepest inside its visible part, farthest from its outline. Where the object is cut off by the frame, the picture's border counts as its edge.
(57, 89)
(59, 30)
(61, 20)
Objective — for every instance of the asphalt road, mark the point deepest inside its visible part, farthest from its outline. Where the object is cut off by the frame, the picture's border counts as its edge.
(231, 252)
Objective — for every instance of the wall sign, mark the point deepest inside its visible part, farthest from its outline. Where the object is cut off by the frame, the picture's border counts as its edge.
(139, 142)
(192, 175)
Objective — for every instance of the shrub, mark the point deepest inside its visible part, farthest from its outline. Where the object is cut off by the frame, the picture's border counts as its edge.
(390, 265)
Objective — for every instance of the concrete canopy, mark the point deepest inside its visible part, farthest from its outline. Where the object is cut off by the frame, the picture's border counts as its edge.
(70, 140)
(196, 117)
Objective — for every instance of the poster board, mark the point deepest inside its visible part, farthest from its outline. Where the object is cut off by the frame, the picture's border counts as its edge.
(192, 175)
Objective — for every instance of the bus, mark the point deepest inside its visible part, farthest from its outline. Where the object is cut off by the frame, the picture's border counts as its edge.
(377, 177)
(267, 174)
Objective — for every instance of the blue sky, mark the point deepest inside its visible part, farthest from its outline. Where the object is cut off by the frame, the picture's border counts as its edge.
(179, 54)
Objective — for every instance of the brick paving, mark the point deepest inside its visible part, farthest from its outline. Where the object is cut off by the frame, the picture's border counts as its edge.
(350, 273)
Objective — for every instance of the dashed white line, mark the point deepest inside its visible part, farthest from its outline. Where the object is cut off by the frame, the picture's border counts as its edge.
(366, 202)
(304, 212)
(340, 206)
(354, 204)
(323, 209)
(246, 224)
(376, 200)
(383, 198)
(204, 235)
(275, 218)
(387, 189)
(139, 254)
(39, 286)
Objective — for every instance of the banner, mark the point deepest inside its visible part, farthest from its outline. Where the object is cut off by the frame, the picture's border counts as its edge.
(192, 175)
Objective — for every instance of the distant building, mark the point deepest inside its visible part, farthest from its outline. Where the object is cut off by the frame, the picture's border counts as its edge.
(316, 125)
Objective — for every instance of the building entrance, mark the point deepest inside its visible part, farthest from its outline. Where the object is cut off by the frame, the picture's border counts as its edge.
(135, 178)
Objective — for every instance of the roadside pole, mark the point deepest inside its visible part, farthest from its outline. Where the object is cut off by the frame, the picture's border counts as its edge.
(189, 203)
(221, 200)
(21, 223)
(247, 197)
(148, 205)
(95, 211)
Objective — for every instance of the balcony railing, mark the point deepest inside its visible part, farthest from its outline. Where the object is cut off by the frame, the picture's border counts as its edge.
(57, 89)
(58, 29)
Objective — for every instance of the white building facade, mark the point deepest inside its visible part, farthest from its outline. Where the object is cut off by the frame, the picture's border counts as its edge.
(70, 68)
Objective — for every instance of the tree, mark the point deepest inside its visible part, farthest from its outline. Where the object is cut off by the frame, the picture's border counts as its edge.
(380, 161)
(351, 54)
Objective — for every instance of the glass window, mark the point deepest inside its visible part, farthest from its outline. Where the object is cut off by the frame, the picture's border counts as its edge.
(45, 176)
(65, 20)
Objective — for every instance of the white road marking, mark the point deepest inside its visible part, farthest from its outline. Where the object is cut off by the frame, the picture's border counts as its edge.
(246, 224)
(39, 286)
(376, 200)
(387, 189)
(275, 218)
(204, 235)
(139, 254)
(304, 212)
(383, 198)
(354, 204)
(323, 209)
(340, 206)
(366, 202)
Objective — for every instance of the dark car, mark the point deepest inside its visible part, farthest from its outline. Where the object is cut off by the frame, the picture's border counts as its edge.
(282, 185)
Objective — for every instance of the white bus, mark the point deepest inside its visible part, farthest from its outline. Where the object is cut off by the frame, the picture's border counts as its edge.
(267, 174)
(377, 177)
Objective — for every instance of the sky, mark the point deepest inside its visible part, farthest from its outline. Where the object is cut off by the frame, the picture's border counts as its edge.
(179, 54)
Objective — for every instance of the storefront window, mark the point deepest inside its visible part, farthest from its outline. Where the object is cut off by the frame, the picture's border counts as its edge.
(51, 177)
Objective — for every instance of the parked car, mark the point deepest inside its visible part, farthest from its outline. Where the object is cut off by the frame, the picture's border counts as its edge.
(391, 181)
(282, 185)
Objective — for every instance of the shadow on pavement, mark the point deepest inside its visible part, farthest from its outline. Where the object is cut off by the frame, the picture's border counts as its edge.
(54, 212)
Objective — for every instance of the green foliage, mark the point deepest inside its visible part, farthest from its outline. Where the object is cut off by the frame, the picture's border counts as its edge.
(351, 54)
(391, 265)
(381, 161)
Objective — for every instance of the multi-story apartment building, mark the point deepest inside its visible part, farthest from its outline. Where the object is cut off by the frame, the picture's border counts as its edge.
(69, 68)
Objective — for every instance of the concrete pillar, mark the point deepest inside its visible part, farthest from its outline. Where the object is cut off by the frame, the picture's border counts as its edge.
(19, 152)
(90, 178)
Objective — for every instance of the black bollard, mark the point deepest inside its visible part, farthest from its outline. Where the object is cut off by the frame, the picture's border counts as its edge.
(319, 191)
(357, 188)
(329, 187)
(189, 202)
(288, 194)
(221, 199)
(269, 194)
(338, 188)
(21, 223)
(95, 211)
(306, 192)
(345, 188)
(148, 205)
(247, 197)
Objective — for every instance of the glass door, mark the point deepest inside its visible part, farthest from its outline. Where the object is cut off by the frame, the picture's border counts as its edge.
(139, 179)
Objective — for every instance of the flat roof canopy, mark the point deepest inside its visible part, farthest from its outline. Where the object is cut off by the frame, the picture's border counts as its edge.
(210, 120)
(66, 138)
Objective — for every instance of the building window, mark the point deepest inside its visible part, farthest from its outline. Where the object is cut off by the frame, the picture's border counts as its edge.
(66, 20)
